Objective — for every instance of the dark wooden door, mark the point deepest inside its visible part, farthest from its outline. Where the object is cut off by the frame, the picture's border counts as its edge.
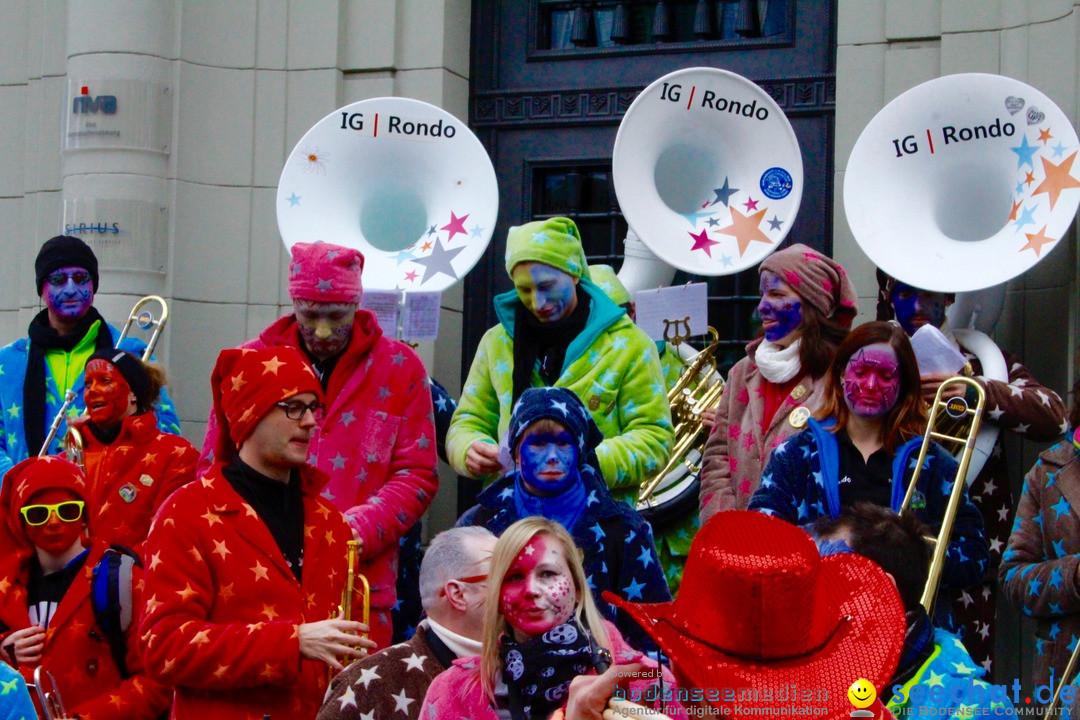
(552, 79)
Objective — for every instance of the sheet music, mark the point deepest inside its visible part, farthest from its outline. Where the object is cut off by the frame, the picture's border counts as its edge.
(687, 304)
(385, 304)
(420, 320)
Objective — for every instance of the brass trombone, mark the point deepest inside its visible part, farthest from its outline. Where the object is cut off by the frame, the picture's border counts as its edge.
(957, 409)
(51, 703)
(69, 397)
(143, 317)
(146, 320)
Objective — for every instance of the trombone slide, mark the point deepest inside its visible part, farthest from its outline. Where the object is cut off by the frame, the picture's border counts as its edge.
(48, 694)
(941, 543)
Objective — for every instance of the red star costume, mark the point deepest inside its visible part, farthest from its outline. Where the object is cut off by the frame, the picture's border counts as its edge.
(223, 607)
(377, 441)
(130, 478)
(76, 651)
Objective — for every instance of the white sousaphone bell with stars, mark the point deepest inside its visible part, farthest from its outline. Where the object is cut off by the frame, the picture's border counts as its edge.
(404, 182)
(708, 171)
(959, 185)
(709, 177)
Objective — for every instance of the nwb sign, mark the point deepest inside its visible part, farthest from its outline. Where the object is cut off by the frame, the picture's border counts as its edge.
(86, 104)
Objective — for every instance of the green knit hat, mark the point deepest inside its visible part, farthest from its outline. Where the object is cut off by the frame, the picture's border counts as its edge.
(604, 277)
(555, 242)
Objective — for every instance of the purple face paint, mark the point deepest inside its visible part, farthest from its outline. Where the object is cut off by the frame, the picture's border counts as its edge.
(68, 292)
(872, 380)
(780, 310)
(548, 293)
(915, 308)
(548, 461)
(324, 327)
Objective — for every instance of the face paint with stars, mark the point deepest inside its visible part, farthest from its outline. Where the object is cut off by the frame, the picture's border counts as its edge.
(538, 591)
(872, 380)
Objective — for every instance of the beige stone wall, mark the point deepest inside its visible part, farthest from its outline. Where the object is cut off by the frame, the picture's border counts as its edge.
(887, 47)
(248, 78)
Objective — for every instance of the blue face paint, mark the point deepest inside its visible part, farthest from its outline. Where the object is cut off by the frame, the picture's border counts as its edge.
(66, 298)
(780, 309)
(834, 547)
(548, 461)
(548, 293)
(914, 308)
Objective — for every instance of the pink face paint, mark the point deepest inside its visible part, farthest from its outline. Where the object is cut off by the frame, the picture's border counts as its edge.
(780, 308)
(325, 328)
(548, 293)
(872, 380)
(538, 591)
(68, 292)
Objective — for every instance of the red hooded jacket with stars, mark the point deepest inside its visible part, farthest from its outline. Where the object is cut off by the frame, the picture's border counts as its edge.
(78, 654)
(223, 608)
(130, 478)
(376, 442)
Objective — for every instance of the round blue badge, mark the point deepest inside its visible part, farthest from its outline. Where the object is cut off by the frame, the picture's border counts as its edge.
(776, 183)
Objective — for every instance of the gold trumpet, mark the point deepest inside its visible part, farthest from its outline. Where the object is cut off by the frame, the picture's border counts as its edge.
(955, 409)
(48, 694)
(698, 389)
(346, 606)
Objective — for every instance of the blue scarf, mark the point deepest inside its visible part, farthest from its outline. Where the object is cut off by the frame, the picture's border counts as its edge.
(564, 508)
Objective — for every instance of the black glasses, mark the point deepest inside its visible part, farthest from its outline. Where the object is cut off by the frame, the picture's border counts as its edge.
(295, 409)
(59, 279)
(68, 511)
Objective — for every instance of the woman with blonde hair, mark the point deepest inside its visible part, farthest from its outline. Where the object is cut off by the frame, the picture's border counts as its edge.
(541, 630)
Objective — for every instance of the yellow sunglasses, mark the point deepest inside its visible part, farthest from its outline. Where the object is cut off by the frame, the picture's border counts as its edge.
(68, 511)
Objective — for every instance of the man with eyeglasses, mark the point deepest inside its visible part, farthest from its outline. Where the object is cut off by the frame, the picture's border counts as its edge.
(246, 566)
(36, 371)
(453, 581)
(377, 440)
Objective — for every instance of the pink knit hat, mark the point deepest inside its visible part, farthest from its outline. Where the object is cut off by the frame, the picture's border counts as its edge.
(325, 273)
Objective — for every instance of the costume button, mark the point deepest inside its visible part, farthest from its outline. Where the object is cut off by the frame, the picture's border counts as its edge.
(91, 666)
(798, 392)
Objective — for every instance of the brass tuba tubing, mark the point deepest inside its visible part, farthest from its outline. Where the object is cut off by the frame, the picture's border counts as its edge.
(941, 542)
(688, 429)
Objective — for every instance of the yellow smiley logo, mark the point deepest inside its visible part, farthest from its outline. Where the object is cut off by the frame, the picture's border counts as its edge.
(862, 693)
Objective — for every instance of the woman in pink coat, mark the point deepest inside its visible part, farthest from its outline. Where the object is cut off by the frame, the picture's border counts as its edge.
(806, 308)
(541, 630)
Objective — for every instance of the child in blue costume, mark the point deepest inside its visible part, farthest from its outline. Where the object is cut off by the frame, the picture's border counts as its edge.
(553, 439)
(862, 447)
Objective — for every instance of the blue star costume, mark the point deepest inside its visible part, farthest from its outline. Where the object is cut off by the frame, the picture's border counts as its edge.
(616, 543)
(1039, 567)
(801, 484)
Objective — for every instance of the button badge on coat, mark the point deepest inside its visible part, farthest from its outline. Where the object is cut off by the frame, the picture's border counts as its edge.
(799, 416)
(128, 492)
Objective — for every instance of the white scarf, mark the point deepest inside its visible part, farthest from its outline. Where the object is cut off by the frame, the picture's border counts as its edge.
(459, 644)
(778, 364)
